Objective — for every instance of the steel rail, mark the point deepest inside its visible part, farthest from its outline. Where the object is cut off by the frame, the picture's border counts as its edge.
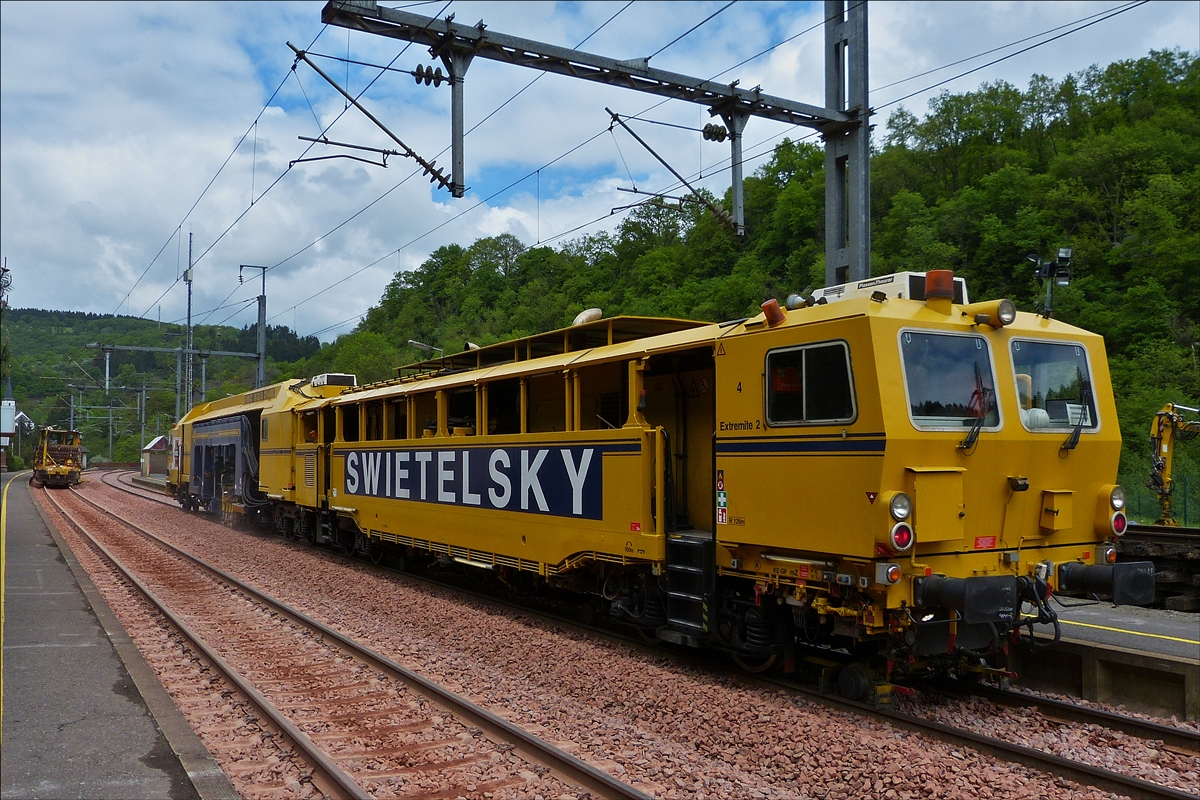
(574, 769)
(327, 775)
(998, 748)
(1070, 712)
(1085, 774)
(142, 492)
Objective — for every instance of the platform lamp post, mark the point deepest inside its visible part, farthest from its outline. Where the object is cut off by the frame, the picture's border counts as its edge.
(428, 348)
(1056, 272)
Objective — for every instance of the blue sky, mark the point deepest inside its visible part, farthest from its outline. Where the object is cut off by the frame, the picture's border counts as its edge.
(115, 117)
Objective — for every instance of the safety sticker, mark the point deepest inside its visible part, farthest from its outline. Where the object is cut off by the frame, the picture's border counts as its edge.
(985, 542)
(871, 497)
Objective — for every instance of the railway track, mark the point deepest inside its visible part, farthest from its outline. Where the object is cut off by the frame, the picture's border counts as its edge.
(1063, 711)
(129, 487)
(358, 718)
(1085, 774)
(1053, 711)
(1175, 552)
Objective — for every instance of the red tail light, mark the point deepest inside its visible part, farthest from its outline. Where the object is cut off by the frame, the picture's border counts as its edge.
(1119, 523)
(901, 536)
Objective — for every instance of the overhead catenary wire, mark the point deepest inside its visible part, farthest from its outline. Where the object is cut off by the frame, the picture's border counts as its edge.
(179, 227)
(690, 30)
(726, 167)
(1115, 12)
(533, 173)
(720, 168)
(993, 50)
(415, 172)
(293, 163)
(526, 176)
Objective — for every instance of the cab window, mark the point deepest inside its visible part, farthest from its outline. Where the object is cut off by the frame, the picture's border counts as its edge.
(810, 385)
(949, 380)
(1054, 386)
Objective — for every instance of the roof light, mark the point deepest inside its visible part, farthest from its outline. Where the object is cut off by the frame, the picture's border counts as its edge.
(773, 313)
(1006, 312)
(939, 283)
(900, 506)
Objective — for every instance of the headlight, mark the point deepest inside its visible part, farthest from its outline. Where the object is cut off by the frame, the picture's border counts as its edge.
(900, 506)
(1006, 312)
(1117, 498)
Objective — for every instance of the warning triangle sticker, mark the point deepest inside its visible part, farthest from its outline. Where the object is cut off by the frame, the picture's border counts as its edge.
(871, 496)
(721, 349)
(694, 390)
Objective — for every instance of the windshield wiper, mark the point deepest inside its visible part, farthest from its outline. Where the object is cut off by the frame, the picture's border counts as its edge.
(1085, 412)
(967, 445)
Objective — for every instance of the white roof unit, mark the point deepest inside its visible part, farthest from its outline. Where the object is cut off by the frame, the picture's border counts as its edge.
(904, 285)
(334, 379)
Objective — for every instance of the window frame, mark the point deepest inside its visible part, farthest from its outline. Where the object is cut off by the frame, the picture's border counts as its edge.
(987, 346)
(771, 423)
(1087, 357)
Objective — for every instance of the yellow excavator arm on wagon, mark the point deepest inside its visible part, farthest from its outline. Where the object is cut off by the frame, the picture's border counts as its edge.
(1167, 429)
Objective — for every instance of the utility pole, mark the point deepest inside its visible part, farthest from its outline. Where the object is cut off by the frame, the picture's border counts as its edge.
(204, 377)
(847, 147)
(107, 355)
(142, 412)
(260, 375)
(71, 399)
(187, 276)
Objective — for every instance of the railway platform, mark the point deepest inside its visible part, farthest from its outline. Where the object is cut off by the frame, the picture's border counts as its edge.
(83, 714)
(151, 481)
(1143, 658)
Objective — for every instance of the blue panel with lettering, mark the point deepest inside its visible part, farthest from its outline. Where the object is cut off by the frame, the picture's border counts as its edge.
(560, 481)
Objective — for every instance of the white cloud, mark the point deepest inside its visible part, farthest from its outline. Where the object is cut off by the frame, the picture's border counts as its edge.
(116, 116)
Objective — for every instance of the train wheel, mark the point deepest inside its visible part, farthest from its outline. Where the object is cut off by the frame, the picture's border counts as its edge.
(375, 552)
(755, 664)
(854, 682)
